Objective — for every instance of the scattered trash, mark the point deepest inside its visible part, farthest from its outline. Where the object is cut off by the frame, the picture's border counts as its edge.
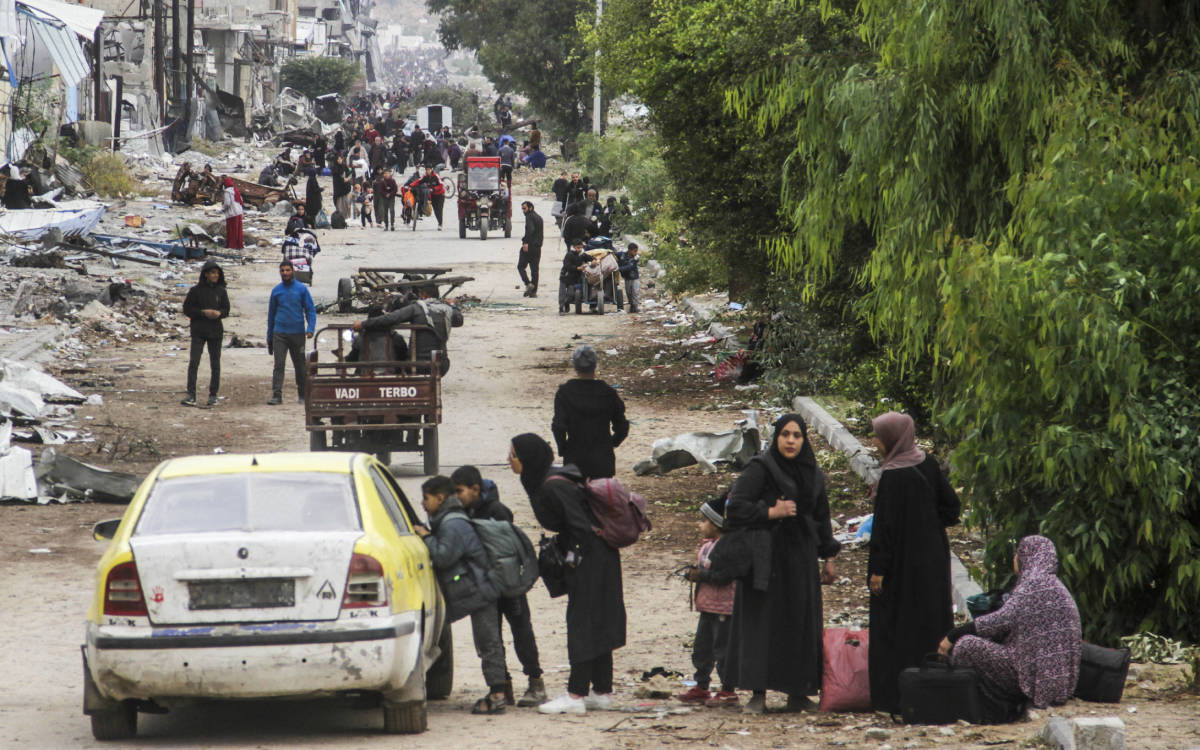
(135, 221)
(40, 551)
(95, 483)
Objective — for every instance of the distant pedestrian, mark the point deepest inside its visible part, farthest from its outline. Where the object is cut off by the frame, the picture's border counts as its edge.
(570, 276)
(205, 305)
(627, 263)
(312, 198)
(531, 249)
(231, 208)
(589, 419)
(291, 318)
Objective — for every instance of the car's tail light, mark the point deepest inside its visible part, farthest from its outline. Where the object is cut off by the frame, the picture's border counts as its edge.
(365, 585)
(123, 591)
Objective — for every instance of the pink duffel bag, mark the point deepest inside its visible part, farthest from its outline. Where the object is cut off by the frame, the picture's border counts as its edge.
(845, 680)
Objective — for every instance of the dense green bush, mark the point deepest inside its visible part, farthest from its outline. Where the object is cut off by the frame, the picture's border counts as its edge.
(317, 76)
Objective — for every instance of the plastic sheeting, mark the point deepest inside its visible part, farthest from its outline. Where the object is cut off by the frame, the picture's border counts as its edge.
(734, 447)
(80, 19)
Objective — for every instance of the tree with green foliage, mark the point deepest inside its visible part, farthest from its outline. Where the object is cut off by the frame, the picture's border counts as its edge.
(1029, 180)
(679, 57)
(317, 76)
(529, 47)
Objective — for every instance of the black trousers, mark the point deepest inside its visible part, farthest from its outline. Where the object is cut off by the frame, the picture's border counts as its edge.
(520, 622)
(598, 673)
(530, 259)
(712, 638)
(214, 362)
(439, 202)
(283, 346)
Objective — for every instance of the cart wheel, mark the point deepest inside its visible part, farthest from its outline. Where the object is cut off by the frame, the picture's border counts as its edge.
(483, 225)
(345, 294)
(431, 451)
(507, 227)
(316, 440)
(385, 457)
(578, 301)
(462, 228)
(600, 299)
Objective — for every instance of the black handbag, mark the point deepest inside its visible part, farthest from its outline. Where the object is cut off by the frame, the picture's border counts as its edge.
(1102, 673)
(552, 565)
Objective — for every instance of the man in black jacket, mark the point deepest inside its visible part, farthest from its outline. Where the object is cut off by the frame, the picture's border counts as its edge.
(570, 276)
(584, 409)
(428, 310)
(206, 303)
(531, 249)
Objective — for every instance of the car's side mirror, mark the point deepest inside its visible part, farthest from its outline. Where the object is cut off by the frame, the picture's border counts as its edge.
(105, 529)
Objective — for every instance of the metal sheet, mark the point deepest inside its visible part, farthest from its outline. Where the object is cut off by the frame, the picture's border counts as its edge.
(64, 48)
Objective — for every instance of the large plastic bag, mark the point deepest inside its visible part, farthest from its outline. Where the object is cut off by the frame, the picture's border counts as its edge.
(845, 681)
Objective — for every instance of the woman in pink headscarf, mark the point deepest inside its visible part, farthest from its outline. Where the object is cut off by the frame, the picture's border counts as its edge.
(231, 207)
(908, 569)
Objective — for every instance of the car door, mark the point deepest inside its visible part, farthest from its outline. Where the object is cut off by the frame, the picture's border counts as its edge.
(419, 567)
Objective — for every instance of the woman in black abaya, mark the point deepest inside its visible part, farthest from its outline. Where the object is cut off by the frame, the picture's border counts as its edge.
(908, 569)
(781, 509)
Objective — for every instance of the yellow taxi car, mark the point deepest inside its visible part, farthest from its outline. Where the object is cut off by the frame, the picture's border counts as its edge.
(269, 575)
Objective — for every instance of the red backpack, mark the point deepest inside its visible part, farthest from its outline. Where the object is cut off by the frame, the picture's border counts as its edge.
(620, 512)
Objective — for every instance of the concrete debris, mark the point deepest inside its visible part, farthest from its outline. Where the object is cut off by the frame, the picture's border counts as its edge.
(1085, 733)
(93, 482)
(735, 447)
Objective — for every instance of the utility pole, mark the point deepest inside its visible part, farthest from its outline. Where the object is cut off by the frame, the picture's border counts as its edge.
(176, 54)
(189, 84)
(159, 62)
(596, 77)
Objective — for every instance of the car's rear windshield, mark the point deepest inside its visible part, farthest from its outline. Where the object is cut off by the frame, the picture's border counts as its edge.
(250, 502)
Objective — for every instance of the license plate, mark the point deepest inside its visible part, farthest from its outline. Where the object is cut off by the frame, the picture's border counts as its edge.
(242, 594)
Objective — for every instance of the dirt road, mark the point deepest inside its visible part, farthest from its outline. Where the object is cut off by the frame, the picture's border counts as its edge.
(507, 360)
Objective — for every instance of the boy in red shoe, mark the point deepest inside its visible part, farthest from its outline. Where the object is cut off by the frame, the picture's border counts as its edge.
(715, 604)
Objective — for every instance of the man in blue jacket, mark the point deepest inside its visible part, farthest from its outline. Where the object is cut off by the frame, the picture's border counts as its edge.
(291, 318)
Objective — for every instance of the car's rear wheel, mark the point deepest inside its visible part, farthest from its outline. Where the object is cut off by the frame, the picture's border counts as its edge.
(385, 457)
(119, 723)
(439, 680)
(405, 718)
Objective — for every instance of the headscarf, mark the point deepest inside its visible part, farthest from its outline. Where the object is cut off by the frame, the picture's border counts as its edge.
(898, 434)
(536, 457)
(803, 467)
(1037, 628)
(228, 183)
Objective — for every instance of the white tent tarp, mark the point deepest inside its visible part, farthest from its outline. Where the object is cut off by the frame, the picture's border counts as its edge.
(79, 18)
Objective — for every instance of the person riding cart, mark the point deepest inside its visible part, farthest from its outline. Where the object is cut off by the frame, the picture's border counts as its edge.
(427, 310)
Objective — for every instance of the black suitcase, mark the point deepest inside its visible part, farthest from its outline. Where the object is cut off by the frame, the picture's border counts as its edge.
(1102, 673)
(938, 693)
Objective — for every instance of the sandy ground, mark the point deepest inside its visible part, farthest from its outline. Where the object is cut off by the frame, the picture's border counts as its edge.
(507, 360)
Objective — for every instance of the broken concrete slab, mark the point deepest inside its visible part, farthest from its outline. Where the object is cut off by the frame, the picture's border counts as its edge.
(17, 478)
(102, 485)
(1085, 733)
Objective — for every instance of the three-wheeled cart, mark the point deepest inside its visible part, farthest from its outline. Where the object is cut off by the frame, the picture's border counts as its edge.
(370, 398)
(373, 285)
(483, 200)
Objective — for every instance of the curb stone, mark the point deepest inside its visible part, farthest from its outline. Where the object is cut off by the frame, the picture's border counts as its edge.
(867, 468)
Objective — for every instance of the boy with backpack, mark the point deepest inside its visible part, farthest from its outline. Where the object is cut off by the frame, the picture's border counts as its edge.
(481, 499)
(714, 601)
(461, 566)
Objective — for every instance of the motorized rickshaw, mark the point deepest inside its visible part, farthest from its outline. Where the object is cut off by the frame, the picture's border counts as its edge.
(483, 200)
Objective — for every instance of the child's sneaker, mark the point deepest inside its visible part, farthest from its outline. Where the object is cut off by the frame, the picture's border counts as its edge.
(722, 698)
(563, 704)
(598, 701)
(695, 694)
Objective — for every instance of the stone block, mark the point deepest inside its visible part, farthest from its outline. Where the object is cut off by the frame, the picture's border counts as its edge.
(1085, 733)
